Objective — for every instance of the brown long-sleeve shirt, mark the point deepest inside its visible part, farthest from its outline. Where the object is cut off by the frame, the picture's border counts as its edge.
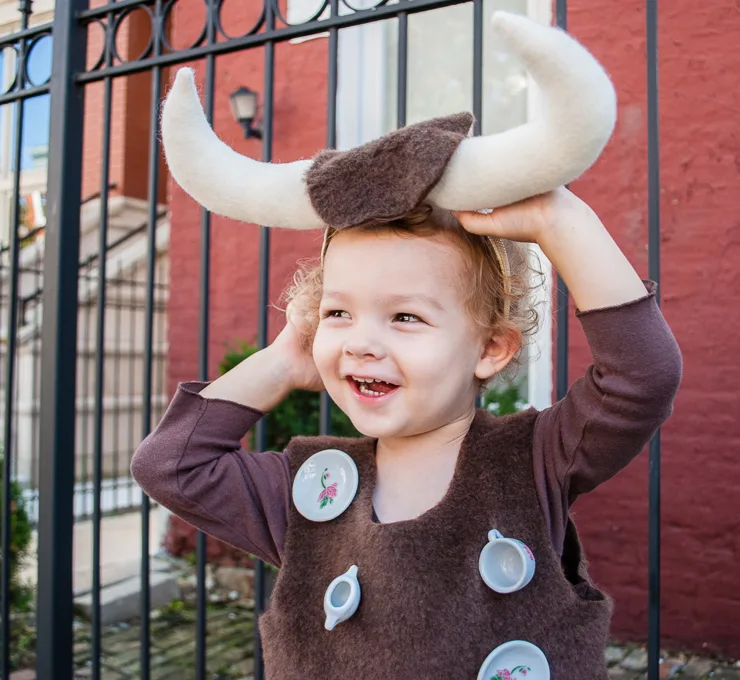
(194, 465)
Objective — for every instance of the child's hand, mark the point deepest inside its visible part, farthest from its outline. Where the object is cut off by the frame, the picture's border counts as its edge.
(573, 238)
(294, 350)
(267, 377)
(530, 220)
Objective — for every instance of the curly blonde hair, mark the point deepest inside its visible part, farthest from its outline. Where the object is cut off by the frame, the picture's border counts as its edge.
(487, 298)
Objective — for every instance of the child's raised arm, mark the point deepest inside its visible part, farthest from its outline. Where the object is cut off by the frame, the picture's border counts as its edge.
(611, 412)
(193, 463)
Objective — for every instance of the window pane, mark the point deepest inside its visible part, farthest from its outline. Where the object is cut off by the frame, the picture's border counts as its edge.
(440, 74)
(504, 78)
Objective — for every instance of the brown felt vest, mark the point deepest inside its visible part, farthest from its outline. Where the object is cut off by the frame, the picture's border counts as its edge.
(425, 612)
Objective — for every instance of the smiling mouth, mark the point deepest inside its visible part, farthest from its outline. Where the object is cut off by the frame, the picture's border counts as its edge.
(368, 387)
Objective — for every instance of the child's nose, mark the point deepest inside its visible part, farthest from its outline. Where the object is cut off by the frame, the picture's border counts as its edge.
(361, 347)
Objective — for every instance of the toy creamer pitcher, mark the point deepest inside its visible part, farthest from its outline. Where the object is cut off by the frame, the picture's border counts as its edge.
(342, 598)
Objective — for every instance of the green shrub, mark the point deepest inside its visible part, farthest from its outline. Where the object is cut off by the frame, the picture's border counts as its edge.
(504, 400)
(21, 595)
(21, 532)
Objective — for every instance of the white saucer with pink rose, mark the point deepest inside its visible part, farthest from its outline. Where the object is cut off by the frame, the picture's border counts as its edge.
(325, 485)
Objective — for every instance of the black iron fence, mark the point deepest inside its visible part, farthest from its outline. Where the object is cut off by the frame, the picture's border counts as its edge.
(62, 297)
(126, 292)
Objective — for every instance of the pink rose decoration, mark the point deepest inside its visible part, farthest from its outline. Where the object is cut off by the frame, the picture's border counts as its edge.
(506, 674)
(328, 493)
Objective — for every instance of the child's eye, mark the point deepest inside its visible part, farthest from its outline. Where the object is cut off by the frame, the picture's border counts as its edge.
(408, 318)
(336, 314)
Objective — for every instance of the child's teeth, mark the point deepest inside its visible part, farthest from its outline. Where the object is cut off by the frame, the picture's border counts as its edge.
(366, 390)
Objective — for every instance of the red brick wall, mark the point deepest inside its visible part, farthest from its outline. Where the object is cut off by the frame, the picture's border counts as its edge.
(701, 257)
(700, 250)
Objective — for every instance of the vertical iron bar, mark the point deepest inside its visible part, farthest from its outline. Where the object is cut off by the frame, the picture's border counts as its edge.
(325, 404)
(86, 333)
(55, 640)
(403, 70)
(201, 627)
(160, 310)
(10, 349)
(100, 377)
(478, 89)
(35, 397)
(654, 510)
(561, 14)
(262, 305)
(146, 416)
(116, 380)
(332, 81)
(131, 355)
(478, 66)
(561, 373)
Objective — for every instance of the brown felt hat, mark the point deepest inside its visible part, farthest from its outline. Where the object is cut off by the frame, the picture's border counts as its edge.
(386, 178)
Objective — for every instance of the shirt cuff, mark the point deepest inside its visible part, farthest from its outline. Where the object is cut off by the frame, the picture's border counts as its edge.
(633, 336)
(229, 418)
(651, 289)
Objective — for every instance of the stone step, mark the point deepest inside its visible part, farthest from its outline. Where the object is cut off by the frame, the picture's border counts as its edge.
(121, 601)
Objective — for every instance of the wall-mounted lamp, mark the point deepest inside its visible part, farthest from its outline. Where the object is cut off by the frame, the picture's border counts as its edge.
(244, 107)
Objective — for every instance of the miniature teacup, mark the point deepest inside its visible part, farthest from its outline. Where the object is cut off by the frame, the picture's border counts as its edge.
(506, 564)
(342, 598)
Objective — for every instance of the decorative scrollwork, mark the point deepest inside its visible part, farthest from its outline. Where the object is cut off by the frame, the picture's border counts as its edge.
(25, 72)
(167, 16)
(103, 42)
(130, 13)
(38, 65)
(255, 28)
(267, 23)
(322, 9)
(9, 52)
(365, 5)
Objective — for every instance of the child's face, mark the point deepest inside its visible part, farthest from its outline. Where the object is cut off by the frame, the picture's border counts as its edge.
(392, 309)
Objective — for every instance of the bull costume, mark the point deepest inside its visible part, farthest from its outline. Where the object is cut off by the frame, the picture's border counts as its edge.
(491, 582)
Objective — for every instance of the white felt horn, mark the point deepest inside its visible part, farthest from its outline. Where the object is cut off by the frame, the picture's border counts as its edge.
(224, 181)
(578, 110)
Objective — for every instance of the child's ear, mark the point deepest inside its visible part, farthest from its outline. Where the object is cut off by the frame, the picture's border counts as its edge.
(497, 353)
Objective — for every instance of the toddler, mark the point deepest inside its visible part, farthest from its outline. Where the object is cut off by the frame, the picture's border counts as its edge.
(419, 301)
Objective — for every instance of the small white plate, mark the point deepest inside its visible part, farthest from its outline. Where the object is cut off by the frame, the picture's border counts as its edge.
(515, 660)
(325, 485)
